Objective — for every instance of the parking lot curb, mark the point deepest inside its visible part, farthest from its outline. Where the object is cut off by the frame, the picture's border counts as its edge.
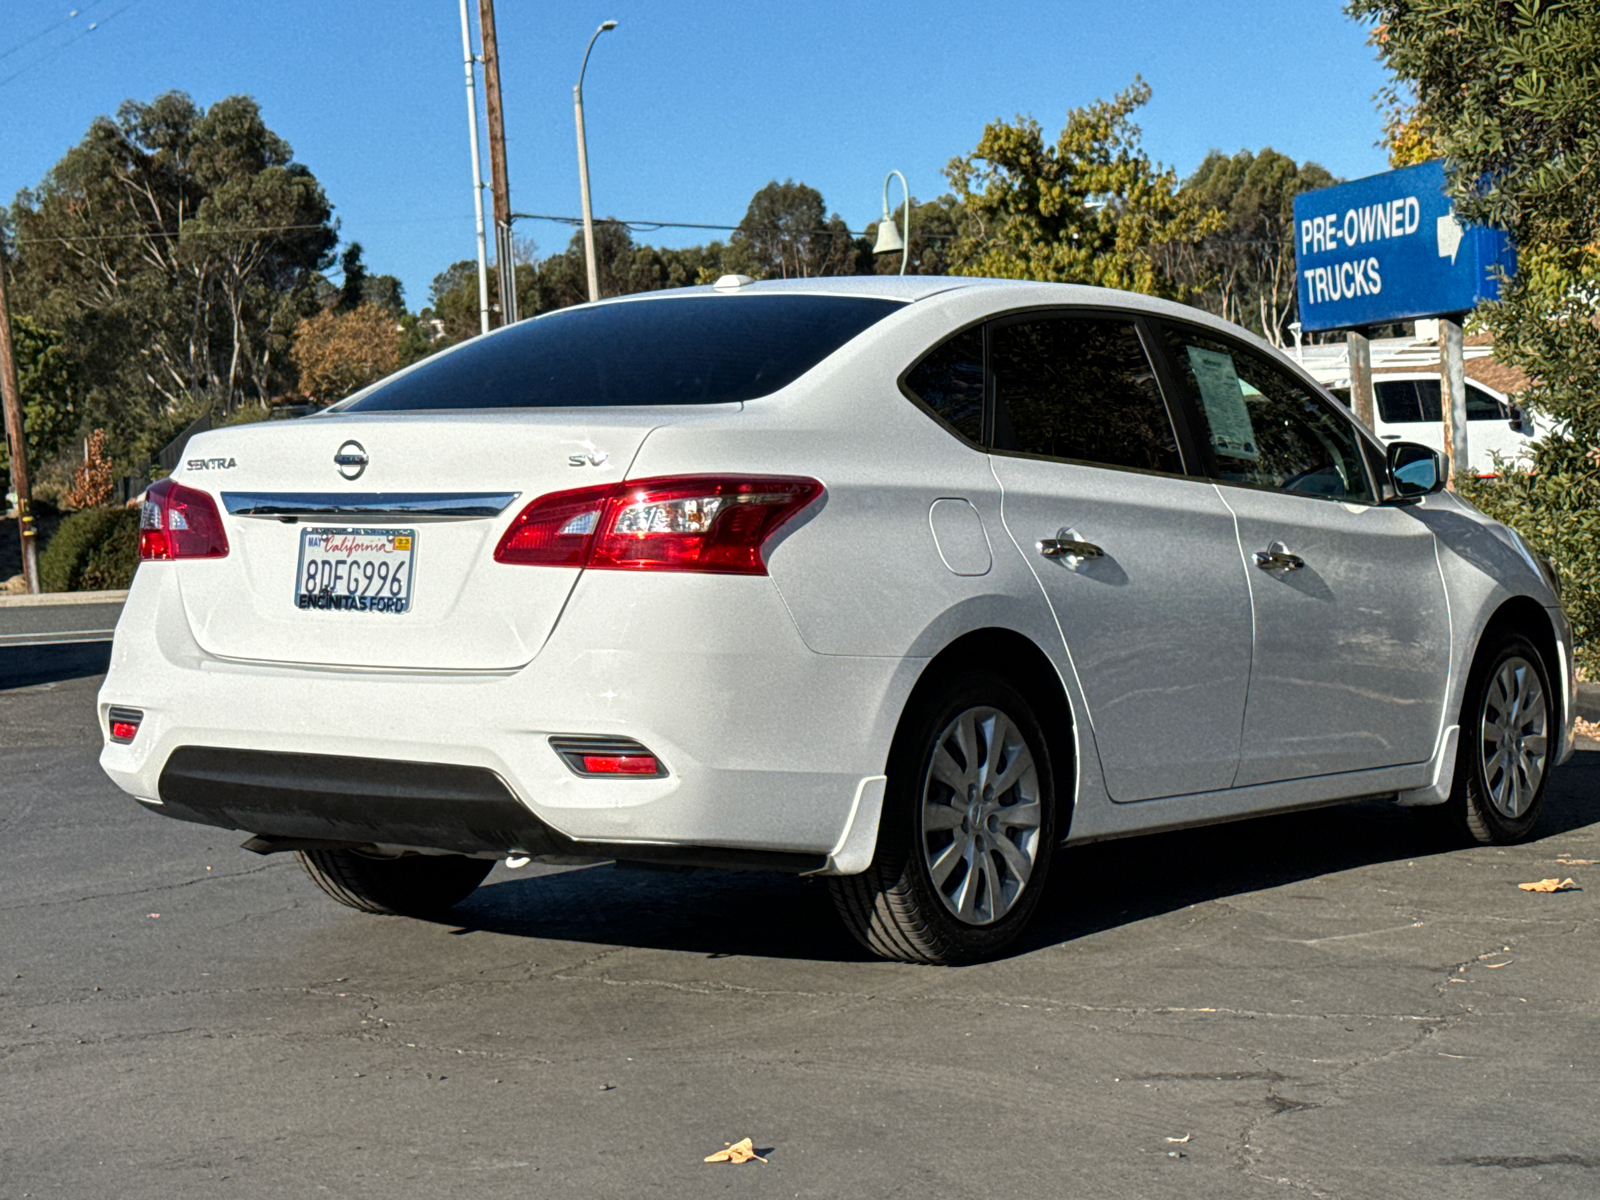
(1588, 706)
(55, 598)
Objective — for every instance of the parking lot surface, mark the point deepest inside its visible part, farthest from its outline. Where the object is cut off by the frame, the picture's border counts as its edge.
(1339, 1003)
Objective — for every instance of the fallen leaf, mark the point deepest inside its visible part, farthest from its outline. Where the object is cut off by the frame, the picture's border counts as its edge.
(1550, 885)
(1497, 966)
(1181, 1140)
(737, 1152)
(1564, 861)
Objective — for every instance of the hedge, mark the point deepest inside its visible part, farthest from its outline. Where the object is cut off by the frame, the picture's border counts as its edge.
(93, 550)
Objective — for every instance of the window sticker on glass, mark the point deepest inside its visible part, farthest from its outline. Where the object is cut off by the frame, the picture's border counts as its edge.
(1223, 398)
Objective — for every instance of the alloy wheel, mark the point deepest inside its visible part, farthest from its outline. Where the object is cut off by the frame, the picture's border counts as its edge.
(980, 815)
(1514, 742)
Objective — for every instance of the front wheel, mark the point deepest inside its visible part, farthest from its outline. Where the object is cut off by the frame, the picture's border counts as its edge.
(1507, 723)
(411, 885)
(968, 828)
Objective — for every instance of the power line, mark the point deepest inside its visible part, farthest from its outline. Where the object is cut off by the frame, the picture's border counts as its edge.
(164, 233)
(45, 32)
(93, 25)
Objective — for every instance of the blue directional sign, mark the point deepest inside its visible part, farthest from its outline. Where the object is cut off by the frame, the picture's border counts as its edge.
(1388, 248)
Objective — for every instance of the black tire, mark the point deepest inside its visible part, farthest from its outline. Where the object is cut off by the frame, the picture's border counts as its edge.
(1497, 799)
(896, 908)
(414, 885)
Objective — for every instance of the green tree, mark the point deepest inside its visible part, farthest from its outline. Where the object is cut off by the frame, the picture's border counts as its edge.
(175, 248)
(1507, 90)
(1089, 209)
(45, 379)
(1244, 271)
(786, 234)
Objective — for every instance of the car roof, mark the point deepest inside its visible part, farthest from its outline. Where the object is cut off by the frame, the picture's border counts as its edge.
(1020, 293)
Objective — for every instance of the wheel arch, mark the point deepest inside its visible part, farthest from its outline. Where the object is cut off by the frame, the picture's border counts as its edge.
(1029, 668)
(1525, 615)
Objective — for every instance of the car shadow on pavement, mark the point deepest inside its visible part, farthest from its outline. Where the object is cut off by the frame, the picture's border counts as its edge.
(30, 665)
(1092, 888)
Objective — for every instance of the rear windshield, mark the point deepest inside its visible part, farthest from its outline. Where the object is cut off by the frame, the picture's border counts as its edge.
(684, 350)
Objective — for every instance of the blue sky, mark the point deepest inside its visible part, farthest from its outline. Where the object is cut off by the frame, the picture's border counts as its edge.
(691, 107)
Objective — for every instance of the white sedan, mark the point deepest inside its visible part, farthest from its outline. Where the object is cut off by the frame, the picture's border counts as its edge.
(905, 583)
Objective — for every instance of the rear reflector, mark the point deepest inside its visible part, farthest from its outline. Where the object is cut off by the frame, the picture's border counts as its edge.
(607, 756)
(620, 764)
(180, 522)
(709, 523)
(124, 723)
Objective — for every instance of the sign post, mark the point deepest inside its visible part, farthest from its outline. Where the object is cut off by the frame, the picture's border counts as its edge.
(1390, 248)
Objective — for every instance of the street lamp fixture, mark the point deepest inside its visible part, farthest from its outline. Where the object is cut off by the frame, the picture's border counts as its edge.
(889, 238)
(583, 166)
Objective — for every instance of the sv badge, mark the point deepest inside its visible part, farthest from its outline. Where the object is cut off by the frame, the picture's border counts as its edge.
(594, 458)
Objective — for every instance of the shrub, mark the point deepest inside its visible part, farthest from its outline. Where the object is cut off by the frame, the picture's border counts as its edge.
(95, 549)
(1557, 508)
(93, 482)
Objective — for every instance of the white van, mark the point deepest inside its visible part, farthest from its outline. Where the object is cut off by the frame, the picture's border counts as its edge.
(1407, 408)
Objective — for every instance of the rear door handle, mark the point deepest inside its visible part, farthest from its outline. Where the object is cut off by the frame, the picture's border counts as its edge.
(1276, 557)
(1066, 544)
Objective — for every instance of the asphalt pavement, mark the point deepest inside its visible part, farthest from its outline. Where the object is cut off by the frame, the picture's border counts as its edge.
(1340, 1003)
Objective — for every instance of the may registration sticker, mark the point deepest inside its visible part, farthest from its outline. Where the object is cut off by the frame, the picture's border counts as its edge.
(355, 570)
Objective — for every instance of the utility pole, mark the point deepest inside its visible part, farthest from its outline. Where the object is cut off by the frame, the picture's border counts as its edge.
(16, 437)
(1359, 348)
(477, 167)
(504, 261)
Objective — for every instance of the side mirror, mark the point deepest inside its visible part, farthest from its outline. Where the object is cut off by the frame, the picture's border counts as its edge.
(1416, 470)
(1519, 420)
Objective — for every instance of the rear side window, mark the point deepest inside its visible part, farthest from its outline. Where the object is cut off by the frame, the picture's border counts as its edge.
(682, 350)
(1081, 389)
(949, 381)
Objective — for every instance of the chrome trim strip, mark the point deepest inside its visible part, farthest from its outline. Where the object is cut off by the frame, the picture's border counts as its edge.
(448, 505)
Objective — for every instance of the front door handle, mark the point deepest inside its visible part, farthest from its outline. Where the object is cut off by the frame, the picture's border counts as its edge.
(1276, 557)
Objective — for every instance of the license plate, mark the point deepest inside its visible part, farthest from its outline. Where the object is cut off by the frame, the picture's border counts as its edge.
(355, 570)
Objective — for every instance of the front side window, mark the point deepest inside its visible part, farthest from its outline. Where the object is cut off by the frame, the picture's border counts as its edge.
(1081, 389)
(1266, 428)
(670, 350)
(949, 381)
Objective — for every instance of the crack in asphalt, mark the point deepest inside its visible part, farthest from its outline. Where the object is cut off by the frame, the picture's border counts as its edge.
(143, 891)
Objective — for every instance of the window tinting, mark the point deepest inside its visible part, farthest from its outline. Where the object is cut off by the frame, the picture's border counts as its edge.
(1265, 427)
(1080, 388)
(679, 350)
(950, 382)
(1407, 400)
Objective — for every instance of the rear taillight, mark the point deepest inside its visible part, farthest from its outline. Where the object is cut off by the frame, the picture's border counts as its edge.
(713, 523)
(180, 522)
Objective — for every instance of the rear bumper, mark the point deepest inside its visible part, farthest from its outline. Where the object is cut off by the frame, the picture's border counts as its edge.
(321, 799)
(765, 742)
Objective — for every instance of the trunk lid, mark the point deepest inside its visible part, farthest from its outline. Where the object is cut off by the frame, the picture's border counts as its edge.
(455, 481)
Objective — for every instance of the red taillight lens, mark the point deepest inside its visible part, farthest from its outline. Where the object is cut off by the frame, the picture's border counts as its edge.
(555, 530)
(180, 522)
(713, 523)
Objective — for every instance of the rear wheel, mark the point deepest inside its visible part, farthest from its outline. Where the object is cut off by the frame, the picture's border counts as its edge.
(1507, 723)
(412, 885)
(968, 828)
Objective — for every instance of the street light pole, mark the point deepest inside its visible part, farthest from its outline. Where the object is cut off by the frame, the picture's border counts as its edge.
(477, 171)
(583, 165)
